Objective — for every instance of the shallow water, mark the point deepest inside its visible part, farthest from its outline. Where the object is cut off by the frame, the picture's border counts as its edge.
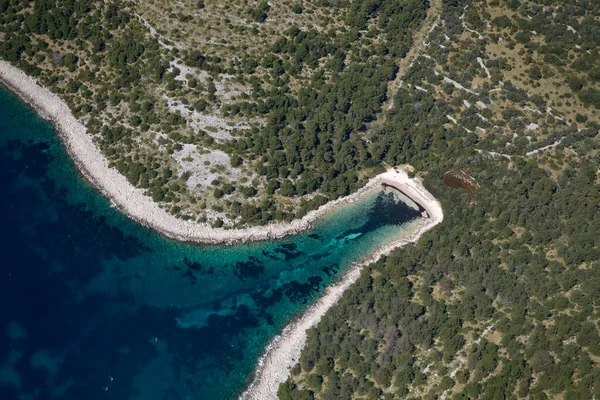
(93, 305)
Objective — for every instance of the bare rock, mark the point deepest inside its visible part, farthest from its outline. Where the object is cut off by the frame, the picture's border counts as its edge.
(58, 59)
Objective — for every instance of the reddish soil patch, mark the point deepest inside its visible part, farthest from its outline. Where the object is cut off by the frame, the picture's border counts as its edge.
(459, 179)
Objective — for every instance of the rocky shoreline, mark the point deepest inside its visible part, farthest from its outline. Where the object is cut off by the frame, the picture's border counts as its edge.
(284, 350)
(130, 200)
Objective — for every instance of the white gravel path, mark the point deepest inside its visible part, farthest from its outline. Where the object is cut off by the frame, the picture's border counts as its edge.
(482, 65)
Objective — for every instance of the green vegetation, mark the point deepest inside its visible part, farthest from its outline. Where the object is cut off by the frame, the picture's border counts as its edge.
(501, 299)
(528, 277)
(290, 117)
(232, 115)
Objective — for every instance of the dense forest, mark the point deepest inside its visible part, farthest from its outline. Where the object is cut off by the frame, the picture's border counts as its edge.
(501, 300)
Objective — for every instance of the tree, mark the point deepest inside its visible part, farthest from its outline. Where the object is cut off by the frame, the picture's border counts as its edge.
(259, 14)
(287, 188)
(575, 83)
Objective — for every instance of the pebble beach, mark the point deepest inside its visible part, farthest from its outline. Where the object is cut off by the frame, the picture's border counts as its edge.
(284, 351)
(132, 201)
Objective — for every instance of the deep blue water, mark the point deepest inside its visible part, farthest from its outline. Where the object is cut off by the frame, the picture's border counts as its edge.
(93, 306)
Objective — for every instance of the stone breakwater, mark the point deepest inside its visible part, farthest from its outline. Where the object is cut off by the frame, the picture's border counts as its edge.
(284, 351)
(133, 201)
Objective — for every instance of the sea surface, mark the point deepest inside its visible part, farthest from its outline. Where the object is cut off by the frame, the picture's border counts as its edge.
(94, 306)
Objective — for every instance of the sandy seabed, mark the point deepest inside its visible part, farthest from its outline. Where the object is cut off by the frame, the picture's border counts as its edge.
(284, 351)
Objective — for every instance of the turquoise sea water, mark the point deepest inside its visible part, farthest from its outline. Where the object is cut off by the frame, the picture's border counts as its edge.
(93, 306)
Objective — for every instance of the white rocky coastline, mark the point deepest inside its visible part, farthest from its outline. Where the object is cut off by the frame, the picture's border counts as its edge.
(284, 350)
(132, 201)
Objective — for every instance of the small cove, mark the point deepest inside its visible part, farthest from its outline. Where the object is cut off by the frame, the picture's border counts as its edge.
(94, 305)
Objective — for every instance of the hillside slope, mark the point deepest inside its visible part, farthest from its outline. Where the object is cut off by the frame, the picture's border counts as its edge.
(501, 300)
